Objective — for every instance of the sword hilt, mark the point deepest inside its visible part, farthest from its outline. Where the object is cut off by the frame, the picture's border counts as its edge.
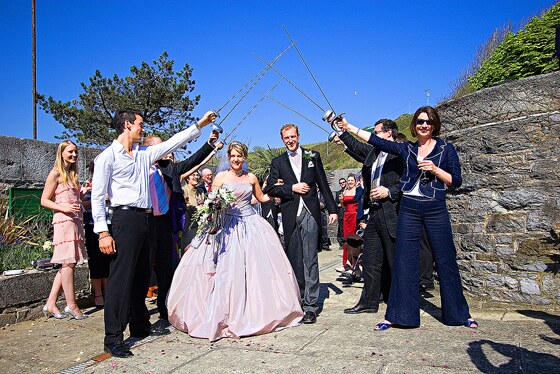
(216, 113)
(216, 127)
(333, 134)
(331, 117)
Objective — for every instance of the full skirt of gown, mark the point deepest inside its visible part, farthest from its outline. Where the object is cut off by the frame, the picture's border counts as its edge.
(236, 283)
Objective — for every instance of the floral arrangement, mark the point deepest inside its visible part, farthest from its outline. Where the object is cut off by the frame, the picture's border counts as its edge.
(308, 155)
(210, 215)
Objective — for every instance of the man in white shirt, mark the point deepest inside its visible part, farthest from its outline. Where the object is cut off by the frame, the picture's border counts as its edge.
(122, 171)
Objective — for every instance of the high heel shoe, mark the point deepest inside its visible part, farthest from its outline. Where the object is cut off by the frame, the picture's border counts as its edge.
(49, 314)
(74, 314)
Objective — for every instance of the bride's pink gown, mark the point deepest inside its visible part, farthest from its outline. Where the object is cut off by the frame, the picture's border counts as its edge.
(237, 283)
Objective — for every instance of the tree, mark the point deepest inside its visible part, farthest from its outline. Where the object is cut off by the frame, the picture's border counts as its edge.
(159, 93)
(260, 159)
(527, 52)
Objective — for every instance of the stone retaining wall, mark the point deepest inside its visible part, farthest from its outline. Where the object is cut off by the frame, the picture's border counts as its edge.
(27, 162)
(506, 216)
(22, 296)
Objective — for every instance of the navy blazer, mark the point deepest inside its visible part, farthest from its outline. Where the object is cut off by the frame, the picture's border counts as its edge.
(444, 156)
(390, 177)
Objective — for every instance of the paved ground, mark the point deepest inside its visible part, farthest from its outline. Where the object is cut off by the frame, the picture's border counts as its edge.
(513, 340)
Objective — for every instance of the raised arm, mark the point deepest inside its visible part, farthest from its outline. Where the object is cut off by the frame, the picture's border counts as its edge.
(157, 151)
(394, 148)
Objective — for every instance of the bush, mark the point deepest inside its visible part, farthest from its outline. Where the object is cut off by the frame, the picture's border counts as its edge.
(525, 53)
(22, 240)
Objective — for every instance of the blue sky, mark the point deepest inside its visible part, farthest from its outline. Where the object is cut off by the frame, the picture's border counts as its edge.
(373, 59)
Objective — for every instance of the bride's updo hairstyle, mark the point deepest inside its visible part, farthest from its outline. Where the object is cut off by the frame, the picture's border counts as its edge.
(239, 147)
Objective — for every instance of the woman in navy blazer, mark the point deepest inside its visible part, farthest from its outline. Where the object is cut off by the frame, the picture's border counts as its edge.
(431, 167)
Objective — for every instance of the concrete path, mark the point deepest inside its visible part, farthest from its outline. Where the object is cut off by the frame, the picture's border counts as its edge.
(512, 340)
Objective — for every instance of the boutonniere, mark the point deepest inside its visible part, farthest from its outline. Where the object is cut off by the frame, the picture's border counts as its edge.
(308, 155)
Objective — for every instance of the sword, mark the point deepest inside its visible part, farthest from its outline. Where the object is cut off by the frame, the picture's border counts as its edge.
(330, 115)
(331, 135)
(248, 113)
(217, 127)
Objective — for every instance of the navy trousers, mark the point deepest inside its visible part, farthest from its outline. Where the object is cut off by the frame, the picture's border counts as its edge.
(404, 300)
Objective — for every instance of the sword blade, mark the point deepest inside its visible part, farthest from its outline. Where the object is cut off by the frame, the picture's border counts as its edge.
(295, 111)
(290, 82)
(262, 74)
(248, 113)
(308, 69)
(255, 77)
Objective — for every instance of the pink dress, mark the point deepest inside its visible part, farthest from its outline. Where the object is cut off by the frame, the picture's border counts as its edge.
(68, 236)
(237, 283)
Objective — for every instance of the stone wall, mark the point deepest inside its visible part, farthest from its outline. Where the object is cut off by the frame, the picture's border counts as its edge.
(506, 216)
(27, 162)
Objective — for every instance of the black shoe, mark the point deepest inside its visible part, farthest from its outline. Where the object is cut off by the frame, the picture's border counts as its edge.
(309, 317)
(360, 309)
(159, 330)
(118, 349)
(155, 330)
(426, 287)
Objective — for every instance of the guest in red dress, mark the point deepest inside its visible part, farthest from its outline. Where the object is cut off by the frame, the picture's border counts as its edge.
(350, 199)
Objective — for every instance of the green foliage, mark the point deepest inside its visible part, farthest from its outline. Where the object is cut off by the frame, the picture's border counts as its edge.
(403, 121)
(462, 86)
(527, 52)
(332, 155)
(156, 90)
(22, 240)
(260, 158)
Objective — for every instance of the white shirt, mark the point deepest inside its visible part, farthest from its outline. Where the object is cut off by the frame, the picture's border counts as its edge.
(416, 190)
(294, 161)
(127, 179)
(381, 157)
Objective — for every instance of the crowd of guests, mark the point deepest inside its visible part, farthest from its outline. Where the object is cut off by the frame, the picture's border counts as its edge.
(133, 218)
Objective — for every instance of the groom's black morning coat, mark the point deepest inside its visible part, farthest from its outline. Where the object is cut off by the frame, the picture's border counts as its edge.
(313, 174)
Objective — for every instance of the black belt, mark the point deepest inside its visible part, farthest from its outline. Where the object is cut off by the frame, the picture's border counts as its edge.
(133, 208)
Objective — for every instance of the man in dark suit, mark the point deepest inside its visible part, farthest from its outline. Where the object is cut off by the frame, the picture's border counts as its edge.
(301, 172)
(170, 222)
(381, 174)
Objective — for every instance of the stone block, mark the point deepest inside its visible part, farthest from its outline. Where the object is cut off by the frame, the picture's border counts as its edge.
(504, 250)
(551, 284)
(511, 283)
(484, 266)
(37, 159)
(519, 198)
(37, 285)
(495, 281)
(10, 159)
(503, 239)
(506, 223)
(522, 264)
(529, 287)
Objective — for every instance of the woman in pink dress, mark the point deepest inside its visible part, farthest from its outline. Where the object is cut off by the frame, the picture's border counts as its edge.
(239, 281)
(62, 194)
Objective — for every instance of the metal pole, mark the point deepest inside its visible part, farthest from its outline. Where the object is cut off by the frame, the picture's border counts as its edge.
(34, 67)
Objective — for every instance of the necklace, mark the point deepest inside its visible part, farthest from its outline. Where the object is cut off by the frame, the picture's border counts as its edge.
(237, 173)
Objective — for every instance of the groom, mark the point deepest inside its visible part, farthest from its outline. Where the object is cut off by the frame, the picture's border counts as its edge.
(301, 172)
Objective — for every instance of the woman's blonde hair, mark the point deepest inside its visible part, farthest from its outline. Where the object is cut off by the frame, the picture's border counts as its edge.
(66, 174)
(239, 147)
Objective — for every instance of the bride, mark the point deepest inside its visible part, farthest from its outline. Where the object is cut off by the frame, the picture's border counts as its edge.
(238, 282)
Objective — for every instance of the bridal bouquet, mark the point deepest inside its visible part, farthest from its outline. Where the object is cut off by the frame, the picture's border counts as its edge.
(210, 216)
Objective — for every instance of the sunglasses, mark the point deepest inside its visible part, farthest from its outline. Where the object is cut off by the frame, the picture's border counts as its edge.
(420, 122)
